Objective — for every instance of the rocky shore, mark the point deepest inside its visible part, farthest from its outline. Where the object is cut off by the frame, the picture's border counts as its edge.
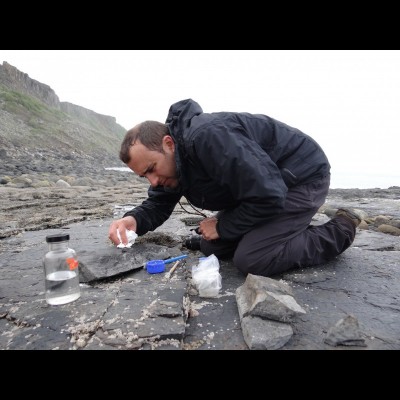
(352, 302)
(35, 201)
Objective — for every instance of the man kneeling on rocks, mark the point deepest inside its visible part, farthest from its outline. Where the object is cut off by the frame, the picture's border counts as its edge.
(266, 180)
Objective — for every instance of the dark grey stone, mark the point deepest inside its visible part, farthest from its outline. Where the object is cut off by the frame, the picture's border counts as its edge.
(267, 298)
(265, 334)
(99, 263)
(346, 332)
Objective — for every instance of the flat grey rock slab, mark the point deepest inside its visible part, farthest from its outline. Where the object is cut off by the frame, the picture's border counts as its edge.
(214, 322)
(99, 263)
(137, 310)
(361, 283)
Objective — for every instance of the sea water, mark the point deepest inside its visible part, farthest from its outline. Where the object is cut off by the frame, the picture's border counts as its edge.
(343, 179)
(62, 287)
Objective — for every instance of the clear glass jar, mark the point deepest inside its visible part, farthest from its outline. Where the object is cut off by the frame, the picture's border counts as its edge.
(61, 271)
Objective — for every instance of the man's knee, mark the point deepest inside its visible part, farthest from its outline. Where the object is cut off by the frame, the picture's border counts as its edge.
(247, 264)
(267, 264)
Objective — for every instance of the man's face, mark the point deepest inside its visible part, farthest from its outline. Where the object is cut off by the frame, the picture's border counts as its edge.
(158, 168)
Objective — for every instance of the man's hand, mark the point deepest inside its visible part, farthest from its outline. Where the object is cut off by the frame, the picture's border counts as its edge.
(208, 228)
(123, 224)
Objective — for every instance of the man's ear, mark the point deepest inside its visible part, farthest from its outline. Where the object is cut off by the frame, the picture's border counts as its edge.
(168, 144)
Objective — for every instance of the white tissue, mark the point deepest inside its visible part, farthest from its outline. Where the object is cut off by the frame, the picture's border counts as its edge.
(131, 239)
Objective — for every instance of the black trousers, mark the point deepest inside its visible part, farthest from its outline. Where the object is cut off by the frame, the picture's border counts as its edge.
(288, 240)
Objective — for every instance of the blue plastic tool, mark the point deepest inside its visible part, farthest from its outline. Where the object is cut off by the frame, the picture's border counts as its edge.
(170, 260)
(158, 266)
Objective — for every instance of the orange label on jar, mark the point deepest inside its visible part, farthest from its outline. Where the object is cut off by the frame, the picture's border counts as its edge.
(73, 264)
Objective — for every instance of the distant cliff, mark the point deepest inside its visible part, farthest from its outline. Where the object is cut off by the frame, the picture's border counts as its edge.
(38, 132)
(18, 81)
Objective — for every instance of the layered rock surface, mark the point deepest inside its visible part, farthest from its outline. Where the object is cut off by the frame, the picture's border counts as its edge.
(351, 302)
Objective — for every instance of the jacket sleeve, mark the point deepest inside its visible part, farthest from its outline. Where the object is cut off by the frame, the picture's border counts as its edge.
(241, 166)
(155, 210)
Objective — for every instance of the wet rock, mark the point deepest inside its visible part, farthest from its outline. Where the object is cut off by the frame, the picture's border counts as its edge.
(391, 230)
(62, 183)
(109, 261)
(264, 334)
(267, 298)
(118, 312)
(4, 180)
(265, 306)
(346, 332)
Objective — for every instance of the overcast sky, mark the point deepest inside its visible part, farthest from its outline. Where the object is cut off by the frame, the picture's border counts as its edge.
(348, 100)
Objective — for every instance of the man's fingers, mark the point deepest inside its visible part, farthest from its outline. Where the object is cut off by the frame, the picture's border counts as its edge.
(122, 233)
(113, 237)
(113, 233)
(117, 232)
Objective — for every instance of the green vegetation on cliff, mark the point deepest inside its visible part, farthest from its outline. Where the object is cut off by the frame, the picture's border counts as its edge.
(30, 124)
(27, 107)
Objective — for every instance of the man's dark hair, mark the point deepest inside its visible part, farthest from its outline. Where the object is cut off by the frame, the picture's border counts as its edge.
(149, 133)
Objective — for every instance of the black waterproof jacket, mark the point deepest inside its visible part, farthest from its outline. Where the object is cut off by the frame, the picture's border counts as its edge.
(239, 164)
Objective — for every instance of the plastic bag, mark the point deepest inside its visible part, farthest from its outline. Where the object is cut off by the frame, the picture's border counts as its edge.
(206, 276)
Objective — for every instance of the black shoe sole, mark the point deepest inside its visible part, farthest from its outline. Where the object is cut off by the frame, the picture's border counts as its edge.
(193, 242)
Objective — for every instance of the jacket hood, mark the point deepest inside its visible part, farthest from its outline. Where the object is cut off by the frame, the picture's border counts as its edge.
(180, 115)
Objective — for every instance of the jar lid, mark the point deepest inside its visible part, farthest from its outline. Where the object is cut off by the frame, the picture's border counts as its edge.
(57, 237)
(155, 266)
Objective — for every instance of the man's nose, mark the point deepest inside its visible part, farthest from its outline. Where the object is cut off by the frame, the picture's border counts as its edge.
(153, 179)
